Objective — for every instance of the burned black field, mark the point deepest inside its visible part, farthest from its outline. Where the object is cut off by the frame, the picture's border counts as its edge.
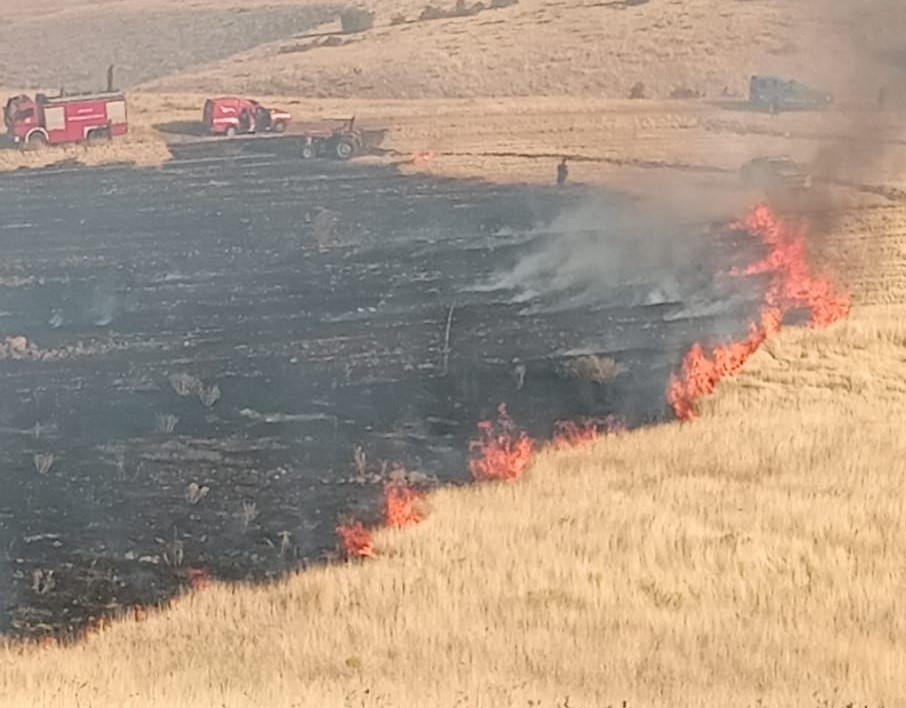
(209, 345)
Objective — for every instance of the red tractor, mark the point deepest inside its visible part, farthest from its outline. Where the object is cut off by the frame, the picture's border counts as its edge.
(342, 140)
(55, 120)
(233, 116)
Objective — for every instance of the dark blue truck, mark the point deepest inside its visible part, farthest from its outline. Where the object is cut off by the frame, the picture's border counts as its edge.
(774, 94)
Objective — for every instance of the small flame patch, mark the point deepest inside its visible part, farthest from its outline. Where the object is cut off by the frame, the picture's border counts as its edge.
(502, 452)
(402, 506)
(356, 540)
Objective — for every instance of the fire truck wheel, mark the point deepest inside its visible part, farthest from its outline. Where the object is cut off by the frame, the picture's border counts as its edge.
(231, 132)
(99, 135)
(36, 141)
(279, 127)
(308, 151)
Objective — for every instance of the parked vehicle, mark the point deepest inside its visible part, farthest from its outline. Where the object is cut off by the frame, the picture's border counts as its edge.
(342, 141)
(234, 116)
(775, 94)
(57, 120)
(774, 174)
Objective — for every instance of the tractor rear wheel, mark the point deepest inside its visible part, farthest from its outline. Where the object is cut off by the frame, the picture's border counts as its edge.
(344, 149)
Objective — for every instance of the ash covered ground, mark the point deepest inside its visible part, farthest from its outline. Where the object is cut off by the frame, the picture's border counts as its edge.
(302, 310)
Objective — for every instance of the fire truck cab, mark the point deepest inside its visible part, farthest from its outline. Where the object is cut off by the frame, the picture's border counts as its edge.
(231, 116)
(65, 119)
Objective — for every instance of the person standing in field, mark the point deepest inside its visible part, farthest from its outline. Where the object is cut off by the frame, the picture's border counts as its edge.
(562, 172)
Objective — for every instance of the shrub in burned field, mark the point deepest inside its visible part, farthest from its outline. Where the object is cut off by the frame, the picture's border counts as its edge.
(209, 396)
(431, 13)
(323, 223)
(185, 384)
(591, 367)
(173, 553)
(398, 20)
(247, 515)
(165, 423)
(637, 90)
(360, 460)
(463, 9)
(356, 19)
(43, 462)
(683, 93)
(195, 493)
(43, 581)
(297, 48)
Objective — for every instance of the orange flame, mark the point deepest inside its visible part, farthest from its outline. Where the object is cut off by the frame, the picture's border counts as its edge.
(569, 434)
(792, 286)
(356, 540)
(501, 453)
(425, 156)
(199, 578)
(401, 506)
(95, 627)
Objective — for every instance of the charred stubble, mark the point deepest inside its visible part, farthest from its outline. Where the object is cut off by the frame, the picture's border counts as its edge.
(207, 278)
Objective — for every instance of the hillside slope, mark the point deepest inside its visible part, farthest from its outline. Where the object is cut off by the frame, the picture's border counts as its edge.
(568, 47)
(533, 47)
(47, 45)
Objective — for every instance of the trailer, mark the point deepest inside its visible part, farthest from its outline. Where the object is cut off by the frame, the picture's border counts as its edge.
(67, 118)
(776, 174)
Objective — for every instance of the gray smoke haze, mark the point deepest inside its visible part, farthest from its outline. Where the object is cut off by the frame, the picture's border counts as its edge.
(855, 47)
(603, 254)
(864, 59)
(860, 48)
(599, 254)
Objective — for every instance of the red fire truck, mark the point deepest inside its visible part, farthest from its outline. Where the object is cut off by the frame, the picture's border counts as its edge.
(62, 119)
(230, 116)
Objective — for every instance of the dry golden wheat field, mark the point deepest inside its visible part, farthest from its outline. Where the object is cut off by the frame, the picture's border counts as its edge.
(755, 557)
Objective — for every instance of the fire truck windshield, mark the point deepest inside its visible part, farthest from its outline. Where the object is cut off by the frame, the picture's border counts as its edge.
(17, 109)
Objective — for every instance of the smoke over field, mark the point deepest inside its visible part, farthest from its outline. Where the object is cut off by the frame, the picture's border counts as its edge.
(602, 252)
